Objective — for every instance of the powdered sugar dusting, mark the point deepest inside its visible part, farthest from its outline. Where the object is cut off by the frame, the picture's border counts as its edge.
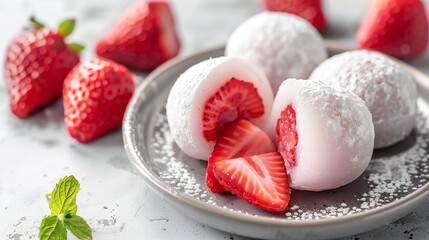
(388, 90)
(392, 174)
(281, 44)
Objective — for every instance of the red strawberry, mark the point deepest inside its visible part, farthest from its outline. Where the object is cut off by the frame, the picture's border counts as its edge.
(395, 27)
(260, 179)
(311, 10)
(96, 93)
(235, 100)
(288, 137)
(143, 38)
(37, 61)
(239, 139)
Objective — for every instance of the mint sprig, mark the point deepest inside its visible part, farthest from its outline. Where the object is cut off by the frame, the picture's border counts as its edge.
(63, 213)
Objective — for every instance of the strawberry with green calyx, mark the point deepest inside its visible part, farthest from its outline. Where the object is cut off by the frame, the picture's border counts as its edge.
(37, 61)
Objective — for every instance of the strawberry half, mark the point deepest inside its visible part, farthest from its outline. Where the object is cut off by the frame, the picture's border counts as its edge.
(236, 99)
(143, 38)
(395, 27)
(239, 139)
(96, 93)
(287, 134)
(37, 61)
(311, 10)
(260, 179)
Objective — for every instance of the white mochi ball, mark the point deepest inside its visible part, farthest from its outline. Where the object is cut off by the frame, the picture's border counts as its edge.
(389, 91)
(282, 45)
(191, 92)
(335, 134)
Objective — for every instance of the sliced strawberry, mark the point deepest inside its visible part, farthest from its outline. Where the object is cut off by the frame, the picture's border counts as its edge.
(239, 139)
(311, 10)
(260, 179)
(143, 38)
(287, 134)
(395, 27)
(236, 99)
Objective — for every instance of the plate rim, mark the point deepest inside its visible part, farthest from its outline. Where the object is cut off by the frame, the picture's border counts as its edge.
(416, 198)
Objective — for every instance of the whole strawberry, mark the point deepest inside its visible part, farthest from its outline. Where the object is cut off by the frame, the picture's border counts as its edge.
(143, 38)
(37, 61)
(311, 10)
(395, 27)
(96, 93)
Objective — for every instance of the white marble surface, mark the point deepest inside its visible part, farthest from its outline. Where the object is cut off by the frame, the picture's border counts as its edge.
(36, 152)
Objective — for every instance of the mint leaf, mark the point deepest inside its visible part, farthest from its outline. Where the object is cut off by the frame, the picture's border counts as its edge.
(78, 227)
(63, 198)
(52, 228)
(76, 47)
(66, 27)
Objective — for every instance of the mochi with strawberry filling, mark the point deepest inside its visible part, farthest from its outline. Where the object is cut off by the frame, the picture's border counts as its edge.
(281, 44)
(325, 135)
(389, 91)
(211, 94)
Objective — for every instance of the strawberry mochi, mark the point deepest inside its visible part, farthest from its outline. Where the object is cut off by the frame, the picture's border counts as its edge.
(211, 94)
(389, 91)
(325, 136)
(281, 44)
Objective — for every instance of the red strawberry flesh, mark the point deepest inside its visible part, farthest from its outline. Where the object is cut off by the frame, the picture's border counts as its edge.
(287, 135)
(238, 139)
(236, 99)
(261, 180)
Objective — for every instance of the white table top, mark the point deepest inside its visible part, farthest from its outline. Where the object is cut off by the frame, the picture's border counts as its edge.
(36, 152)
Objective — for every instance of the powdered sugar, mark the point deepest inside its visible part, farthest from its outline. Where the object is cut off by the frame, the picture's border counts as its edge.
(389, 91)
(282, 45)
(392, 174)
(335, 132)
(190, 92)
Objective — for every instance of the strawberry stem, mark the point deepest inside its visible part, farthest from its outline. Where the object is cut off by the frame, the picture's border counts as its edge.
(36, 24)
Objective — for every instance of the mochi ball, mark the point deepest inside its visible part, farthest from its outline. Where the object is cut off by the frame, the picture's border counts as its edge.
(325, 135)
(282, 45)
(388, 90)
(209, 95)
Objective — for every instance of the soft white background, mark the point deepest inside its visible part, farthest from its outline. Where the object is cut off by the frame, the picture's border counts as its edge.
(36, 152)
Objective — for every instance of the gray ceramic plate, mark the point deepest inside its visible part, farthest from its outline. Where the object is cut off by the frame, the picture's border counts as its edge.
(394, 184)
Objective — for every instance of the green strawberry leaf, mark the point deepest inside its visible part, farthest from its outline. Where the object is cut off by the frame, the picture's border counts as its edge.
(63, 198)
(36, 23)
(78, 227)
(52, 228)
(76, 47)
(66, 27)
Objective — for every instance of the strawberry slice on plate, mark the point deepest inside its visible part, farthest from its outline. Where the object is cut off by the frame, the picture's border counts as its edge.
(311, 10)
(239, 139)
(143, 38)
(395, 27)
(261, 180)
